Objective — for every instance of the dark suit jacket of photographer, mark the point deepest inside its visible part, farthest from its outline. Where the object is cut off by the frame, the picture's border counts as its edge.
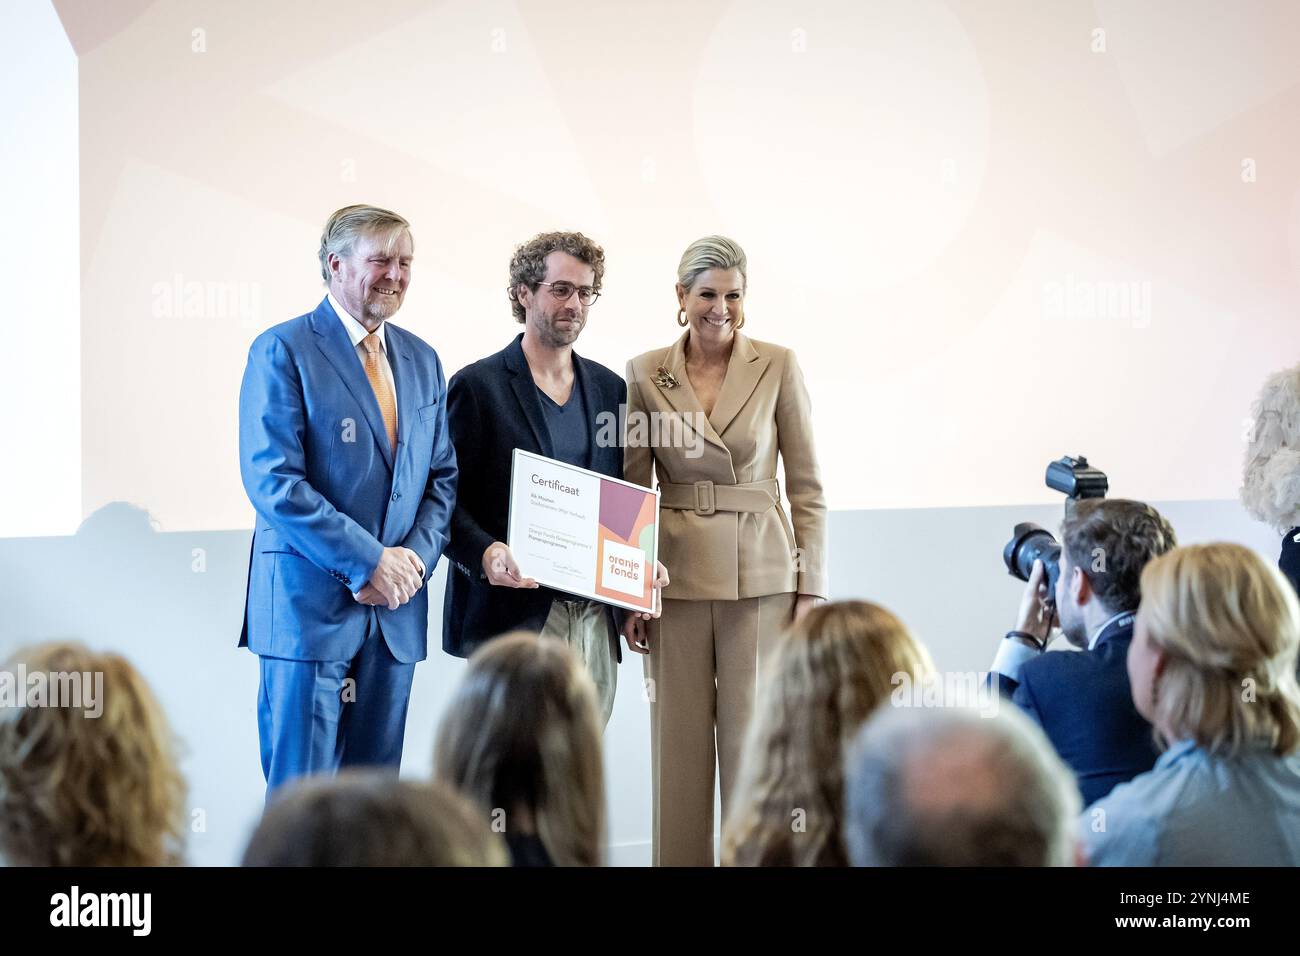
(1085, 706)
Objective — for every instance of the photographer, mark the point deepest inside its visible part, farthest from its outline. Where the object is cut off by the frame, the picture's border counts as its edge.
(1082, 701)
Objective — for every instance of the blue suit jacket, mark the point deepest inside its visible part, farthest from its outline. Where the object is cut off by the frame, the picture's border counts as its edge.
(494, 409)
(1084, 705)
(330, 493)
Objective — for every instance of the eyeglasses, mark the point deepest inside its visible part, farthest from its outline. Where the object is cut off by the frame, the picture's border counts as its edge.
(562, 290)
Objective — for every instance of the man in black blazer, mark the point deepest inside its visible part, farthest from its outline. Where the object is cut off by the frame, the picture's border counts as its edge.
(1082, 700)
(536, 394)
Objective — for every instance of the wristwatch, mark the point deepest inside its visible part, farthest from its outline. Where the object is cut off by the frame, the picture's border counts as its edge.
(1039, 643)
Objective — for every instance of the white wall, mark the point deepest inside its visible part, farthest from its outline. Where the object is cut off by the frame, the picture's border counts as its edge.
(40, 273)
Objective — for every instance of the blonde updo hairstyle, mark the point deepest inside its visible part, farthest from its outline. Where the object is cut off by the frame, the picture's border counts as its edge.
(712, 252)
(1229, 626)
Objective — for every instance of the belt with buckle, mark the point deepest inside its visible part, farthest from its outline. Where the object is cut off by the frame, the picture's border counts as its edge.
(706, 497)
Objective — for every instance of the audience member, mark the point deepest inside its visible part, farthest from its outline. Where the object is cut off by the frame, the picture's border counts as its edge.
(368, 818)
(1212, 666)
(1270, 487)
(88, 764)
(837, 665)
(958, 787)
(1082, 701)
(522, 739)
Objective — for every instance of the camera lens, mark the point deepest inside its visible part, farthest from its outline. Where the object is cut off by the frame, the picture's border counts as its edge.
(1029, 542)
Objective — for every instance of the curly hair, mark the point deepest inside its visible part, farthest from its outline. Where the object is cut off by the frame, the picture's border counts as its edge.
(528, 264)
(833, 669)
(1271, 487)
(84, 790)
(1111, 540)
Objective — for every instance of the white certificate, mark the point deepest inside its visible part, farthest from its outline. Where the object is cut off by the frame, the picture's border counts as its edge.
(583, 532)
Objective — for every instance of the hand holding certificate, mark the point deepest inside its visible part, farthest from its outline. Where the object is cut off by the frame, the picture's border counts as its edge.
(583, 532)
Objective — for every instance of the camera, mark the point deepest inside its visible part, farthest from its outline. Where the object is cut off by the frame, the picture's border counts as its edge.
(1075, 479)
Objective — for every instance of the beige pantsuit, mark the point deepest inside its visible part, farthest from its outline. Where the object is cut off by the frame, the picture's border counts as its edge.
(701, 674)
(735, 561)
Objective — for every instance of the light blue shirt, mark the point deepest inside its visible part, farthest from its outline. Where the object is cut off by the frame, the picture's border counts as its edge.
(1196, 809)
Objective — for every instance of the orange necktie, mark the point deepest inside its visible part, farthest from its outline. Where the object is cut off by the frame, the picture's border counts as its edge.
(383, 394)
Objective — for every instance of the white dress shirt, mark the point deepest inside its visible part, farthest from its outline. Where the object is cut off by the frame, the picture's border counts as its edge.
(357, 332)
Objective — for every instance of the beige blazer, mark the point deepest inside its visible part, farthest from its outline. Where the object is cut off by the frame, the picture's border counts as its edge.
(723, 532)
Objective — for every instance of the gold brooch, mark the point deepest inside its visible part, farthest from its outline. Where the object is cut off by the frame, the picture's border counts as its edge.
(664, 378)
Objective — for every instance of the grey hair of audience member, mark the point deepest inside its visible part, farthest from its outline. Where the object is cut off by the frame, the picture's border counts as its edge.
(957, 787)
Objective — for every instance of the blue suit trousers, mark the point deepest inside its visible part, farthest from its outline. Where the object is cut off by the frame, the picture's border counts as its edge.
(317, 716)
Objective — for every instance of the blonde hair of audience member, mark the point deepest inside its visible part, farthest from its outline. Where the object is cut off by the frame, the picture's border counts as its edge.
(823, 680)
(1214, 650)
(370, 818)
(521, 736)
(79, 790)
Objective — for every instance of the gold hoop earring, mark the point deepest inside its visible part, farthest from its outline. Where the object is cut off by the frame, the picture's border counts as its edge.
(681, 318)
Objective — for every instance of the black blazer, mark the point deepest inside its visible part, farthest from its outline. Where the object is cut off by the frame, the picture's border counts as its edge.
(1083, 703)
(1289, 561)
(492, 409)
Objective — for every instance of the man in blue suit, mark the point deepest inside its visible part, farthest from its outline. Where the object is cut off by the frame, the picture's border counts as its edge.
(1082, 700)
(345, 454)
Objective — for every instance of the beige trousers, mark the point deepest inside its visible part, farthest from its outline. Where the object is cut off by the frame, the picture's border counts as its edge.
(700, 678)
(586, 628)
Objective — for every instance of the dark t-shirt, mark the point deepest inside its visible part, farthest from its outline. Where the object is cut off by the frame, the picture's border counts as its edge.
(568, 426)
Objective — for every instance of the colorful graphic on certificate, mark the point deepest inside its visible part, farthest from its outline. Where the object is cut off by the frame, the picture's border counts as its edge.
(582, 532)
